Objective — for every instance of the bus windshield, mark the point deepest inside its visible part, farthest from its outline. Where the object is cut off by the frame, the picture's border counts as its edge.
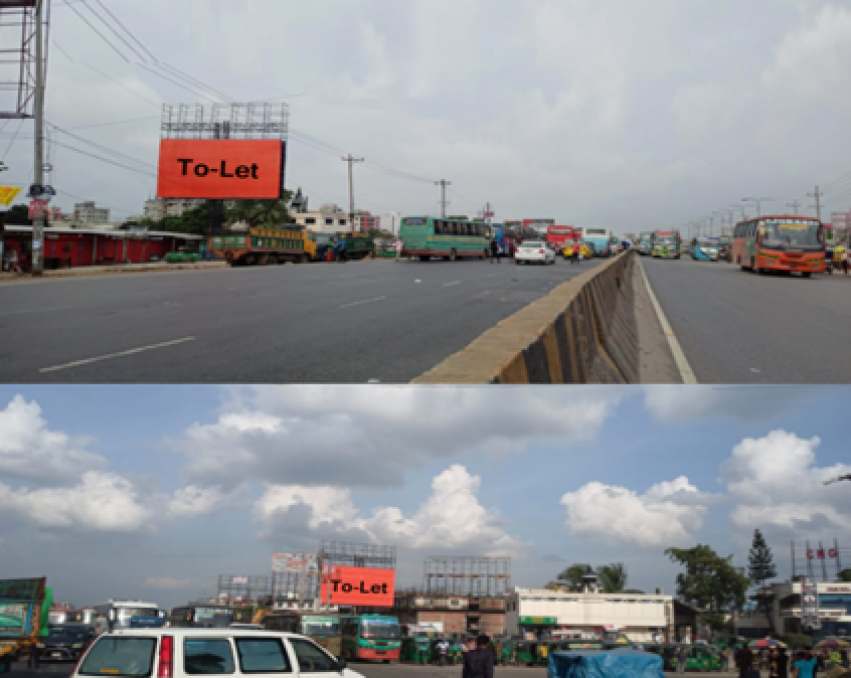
(668, 240)
(316, 626)
(380, 628)
(213, 618)
(128, 612)
(792, 232)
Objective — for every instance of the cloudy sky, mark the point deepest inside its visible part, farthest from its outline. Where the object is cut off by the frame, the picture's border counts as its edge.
(152, 492)
(631, 115)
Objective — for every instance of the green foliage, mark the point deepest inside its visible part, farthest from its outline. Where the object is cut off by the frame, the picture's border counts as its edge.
(18, 215)
(845, 575)
(612, 578)
(710, 582)
(760, 560)
(573, 574)
(260, 212)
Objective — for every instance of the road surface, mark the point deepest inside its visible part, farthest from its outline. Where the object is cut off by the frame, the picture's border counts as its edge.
(737, 327)
(334, 323)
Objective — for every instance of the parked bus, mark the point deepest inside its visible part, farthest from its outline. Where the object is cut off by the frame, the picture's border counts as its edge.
(780, 243)
(601, 238)
(560, 237)
(371, 636)
(118, 613)
(645, 243)
(704, 249)
(427, 237)
(202, 616)
(324, 629)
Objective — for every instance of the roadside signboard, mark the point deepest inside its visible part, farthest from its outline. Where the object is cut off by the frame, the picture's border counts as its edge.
(288, 561)
(362, 586)
(221, 168)
(38, 208)
(8, 194)
(539, 621)
(810, 617)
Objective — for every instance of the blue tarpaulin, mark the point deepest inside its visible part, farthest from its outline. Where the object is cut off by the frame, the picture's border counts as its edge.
(610, 664)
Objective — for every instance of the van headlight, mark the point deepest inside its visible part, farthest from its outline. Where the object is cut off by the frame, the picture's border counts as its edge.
(77, 646)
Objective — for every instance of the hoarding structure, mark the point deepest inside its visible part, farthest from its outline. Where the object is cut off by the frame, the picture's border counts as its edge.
(245, 589)
(807, 560)
(295, 575)
(810, 618)
(358, 586)
(467, 575)
(19, 55)
(338, 559)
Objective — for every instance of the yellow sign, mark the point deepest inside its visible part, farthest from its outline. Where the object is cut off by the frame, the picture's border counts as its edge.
(798, 226)
(8, 194)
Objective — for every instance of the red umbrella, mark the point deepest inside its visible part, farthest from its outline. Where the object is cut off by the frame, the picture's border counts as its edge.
(767, 642)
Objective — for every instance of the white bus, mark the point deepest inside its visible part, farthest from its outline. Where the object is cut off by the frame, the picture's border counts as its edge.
(601, 238)
(126, 613)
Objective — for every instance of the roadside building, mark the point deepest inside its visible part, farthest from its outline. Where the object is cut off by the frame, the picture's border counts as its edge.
(89, 213)
(328, 219)
(834, 603)
(454, 614)
(160, 208)
(365, 221)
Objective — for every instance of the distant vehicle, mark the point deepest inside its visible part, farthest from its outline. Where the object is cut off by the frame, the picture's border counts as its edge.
(645, 243)
(371, 636)
(65, 642)
(534, 252)
(601, 238)
(560, 236)
(202, 616)
(246, 627)
(539, 226)
(583, 248)
(725, 249)
(24, 614)
(117, 613)
(704, 249)
(261, 245)
(780, 243)
(189, 652)
(667, 245)
(427, 237)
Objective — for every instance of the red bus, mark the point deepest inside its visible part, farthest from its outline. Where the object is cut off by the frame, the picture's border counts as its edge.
(560, 236)
(540, 226)
(780, 243)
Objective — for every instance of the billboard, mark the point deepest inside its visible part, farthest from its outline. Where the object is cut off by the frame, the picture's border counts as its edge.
(810, 617)
(222, 169)
(364, 586)
(289, 561)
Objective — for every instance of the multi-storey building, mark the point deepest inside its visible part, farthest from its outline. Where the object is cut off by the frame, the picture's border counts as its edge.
(454, 614)
(160, 208)
(89, 213)
(329, 219)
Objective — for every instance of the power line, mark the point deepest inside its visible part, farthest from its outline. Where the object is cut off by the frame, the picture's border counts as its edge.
(102, 36)
(116, 33)
(104, 75)
(14, 137)
(180, 73)
(59, 47)
(175, 82)
(101, 147)
(116, 122)
(126, 30)
(102, 159)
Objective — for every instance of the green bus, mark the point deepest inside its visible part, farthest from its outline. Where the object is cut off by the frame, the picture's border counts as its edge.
(371, 636)
(427, 237)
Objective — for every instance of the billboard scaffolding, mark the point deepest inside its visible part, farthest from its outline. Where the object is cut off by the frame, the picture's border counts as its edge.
(810, 560)
(225, 121)
(244, 589)
(467, 575)
(18, 60)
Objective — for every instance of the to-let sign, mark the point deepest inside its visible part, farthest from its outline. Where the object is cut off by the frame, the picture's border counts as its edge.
(359, 586)
(220, 168)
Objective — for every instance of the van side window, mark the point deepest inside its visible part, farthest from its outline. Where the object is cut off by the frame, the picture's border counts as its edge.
(203, 656)
(311, 658)
(262, 655)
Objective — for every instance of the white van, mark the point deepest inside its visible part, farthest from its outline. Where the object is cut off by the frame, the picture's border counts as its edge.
(187, 652)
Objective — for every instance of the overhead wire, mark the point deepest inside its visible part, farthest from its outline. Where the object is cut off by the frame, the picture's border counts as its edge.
(114, 32)
(107, 160)
(114, 122)
(101, 147)
(14, 138)
(104, 75)
(102, 36)
(127, 30)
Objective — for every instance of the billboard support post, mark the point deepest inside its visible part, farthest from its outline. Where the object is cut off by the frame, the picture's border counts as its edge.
(38, 166)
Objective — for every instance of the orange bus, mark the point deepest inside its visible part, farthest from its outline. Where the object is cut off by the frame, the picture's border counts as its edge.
(780, 243)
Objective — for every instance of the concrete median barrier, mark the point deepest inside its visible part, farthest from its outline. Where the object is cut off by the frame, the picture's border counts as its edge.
(583, 332)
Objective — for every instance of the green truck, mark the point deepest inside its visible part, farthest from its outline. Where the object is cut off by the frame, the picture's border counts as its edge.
(24, 614)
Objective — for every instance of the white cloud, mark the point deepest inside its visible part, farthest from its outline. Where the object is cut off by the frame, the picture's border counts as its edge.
(683, 404)
(29, 450)
(776, 484)
(341, 436)
(168, 583)
(99, 502)
(192, 501)
(666, 514)
(451, 518)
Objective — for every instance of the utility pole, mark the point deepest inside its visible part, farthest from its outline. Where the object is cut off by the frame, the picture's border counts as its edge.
(758, 202)
(352, 160)
(38, 165)
(817, 195)
(794, 205)
(443, 184)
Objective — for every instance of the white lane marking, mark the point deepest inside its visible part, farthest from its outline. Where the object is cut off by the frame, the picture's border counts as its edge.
(35, 310)
(365, 301)
(450, 284)
(120, 354)
(686, 373)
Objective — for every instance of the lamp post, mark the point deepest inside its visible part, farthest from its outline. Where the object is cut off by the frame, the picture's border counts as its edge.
(758, 202)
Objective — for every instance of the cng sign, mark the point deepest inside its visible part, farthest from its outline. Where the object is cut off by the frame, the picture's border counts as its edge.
(220, 168)
(359, 586)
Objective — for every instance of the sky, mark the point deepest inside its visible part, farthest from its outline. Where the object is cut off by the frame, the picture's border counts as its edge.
(628, 115)
(152, 492)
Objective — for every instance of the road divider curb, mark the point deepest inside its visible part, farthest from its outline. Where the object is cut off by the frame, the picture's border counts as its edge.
(108, 270)
(584, 331)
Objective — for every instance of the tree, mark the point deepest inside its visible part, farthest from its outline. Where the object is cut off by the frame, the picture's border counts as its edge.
(260, 212)
(18, 215)
(845, 575)
(612, 578)
(760, 569)
(573, 574)
(710, 583)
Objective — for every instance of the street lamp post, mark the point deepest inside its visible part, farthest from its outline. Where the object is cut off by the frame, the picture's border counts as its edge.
(758, 202)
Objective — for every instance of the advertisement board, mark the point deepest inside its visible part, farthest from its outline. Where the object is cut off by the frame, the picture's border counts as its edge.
(8, 194)
(365, 586)
(289, 561)
(221, 169)
(810, 617)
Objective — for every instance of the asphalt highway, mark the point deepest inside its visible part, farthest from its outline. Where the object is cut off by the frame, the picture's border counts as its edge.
(737, 327)
(335, 323)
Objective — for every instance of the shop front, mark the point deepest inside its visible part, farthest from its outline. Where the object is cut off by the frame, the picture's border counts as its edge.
(539, 627)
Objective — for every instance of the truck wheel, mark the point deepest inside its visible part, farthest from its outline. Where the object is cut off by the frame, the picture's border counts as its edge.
(424, 257)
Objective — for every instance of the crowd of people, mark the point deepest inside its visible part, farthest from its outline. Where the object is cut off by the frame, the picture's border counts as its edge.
(801, 662)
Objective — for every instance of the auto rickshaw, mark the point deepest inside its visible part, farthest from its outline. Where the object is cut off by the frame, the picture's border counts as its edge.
(523, 653)
(416, 649)
(701, 658)
(574, 644)
(543, 649)
(505, 650)
(456, 650)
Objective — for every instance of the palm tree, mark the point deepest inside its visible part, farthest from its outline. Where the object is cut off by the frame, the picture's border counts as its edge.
(573, 574)
(259, 212)
(612, 578)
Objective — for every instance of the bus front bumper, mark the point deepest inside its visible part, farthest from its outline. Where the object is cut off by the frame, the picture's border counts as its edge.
(781, 263)
(372, 653)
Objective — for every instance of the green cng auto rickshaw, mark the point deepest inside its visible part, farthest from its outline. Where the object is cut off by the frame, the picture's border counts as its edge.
(506, 650)
(523, 653)
(456, 651)
(574, 644)
(416, 649)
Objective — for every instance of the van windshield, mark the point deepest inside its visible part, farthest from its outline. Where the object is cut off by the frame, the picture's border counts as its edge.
(120, 656)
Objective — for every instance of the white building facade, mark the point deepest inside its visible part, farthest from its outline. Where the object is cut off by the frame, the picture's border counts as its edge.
(88, 213)
(834, 600)
(641, 617)
(160, 208)
(329, 219)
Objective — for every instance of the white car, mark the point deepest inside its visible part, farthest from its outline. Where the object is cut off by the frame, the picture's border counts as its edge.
(534, 251)
(189, 652)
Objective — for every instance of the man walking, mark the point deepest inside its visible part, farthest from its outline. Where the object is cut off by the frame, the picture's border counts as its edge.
(399, 247)
(744, 661)
(495, 250)
(479, 663)
(682, 656)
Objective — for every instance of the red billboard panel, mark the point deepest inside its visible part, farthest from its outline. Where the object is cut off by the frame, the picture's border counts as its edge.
(220, 168)
(359, 586)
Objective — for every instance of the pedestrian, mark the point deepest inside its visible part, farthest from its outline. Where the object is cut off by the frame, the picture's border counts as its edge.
(682, 656)
(32, 661)
(479, 663)
(744, 662)
(725, 659)
(782, 663)
(804, 665)
(495, 250)
(442, 651)
(845, 263)
(574, 253)
(399, 247)
(773, 665)
(511, 249)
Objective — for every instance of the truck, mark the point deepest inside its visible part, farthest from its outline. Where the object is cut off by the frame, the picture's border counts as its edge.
(24, 613)
(261, 245)
(667, 244)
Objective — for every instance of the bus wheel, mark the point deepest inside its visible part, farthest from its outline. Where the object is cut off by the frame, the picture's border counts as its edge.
(250, 260)
(806, 274)
(386, 661)
(452, 255)
(424, 257)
